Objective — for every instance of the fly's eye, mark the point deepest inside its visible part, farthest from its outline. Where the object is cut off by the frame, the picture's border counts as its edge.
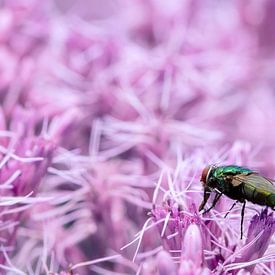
(204, 174)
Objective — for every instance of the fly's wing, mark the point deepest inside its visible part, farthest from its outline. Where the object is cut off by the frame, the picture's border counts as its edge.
(255, 181)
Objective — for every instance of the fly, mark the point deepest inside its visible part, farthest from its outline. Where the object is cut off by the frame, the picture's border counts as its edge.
(238, 183)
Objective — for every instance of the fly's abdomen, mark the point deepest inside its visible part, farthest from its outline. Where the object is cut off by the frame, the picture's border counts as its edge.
(258, 196)
(270, 201)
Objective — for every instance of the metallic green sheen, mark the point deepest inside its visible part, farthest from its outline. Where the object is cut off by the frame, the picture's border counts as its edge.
(241, 184)
(222, 177)
(230, 170)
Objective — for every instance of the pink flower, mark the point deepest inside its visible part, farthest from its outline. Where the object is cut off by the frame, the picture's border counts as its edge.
(260, 232)
(111, 110)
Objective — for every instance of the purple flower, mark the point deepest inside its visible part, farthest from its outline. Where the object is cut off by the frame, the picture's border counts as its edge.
(111, 110)
(165, 264)
(21, 173)
(260, 232)
(174, 223)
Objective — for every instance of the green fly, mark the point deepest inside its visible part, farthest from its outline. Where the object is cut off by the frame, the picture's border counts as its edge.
(238, 183)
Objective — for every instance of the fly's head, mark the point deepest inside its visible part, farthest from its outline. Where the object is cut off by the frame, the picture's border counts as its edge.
(206, 177)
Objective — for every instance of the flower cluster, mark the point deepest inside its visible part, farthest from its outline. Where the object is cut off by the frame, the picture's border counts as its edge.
(109, 112)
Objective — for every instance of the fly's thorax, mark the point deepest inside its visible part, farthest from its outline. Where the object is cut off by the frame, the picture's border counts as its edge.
(224, 175)
(223, 178)
(230, 170)
(219, 180)
(220, 172)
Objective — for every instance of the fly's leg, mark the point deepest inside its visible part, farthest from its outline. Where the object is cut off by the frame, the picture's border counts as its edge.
(242, 219)
(206, 196)
(216, 199)
(230, 208)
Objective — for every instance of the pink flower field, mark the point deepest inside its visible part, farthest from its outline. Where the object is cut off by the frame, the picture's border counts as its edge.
(110, 110)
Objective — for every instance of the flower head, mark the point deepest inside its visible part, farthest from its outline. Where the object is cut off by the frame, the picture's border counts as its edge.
(260, 232)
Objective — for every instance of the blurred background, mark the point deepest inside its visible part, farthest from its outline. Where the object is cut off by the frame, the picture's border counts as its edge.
(100, 99)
